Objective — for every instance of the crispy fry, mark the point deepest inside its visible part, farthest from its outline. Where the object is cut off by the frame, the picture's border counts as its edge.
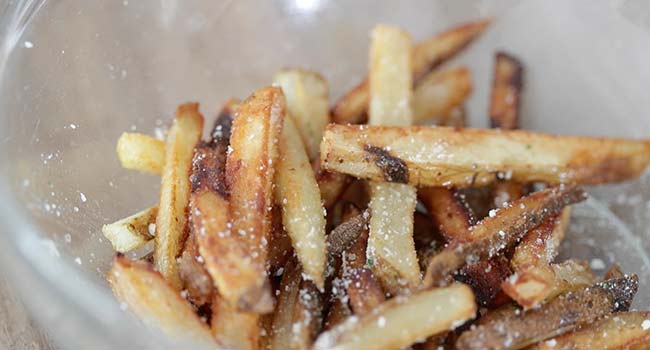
(500, 231)
(566, 312)
(171, 220)
(307, 97)
(427, 55)
(196, 279)
(250, 169)
(402, 321)
(131, 232)
(437, 93)
(364, 291)
(307, 316)
(331, 185)
(284, 309)
(141, 152)
(614, 332)
(426, 156)
(485, 277)
(297, 192)
(156, 303)
(280, 249)
(449, 213)
(222, 127)
(507, 84)
(233, 329)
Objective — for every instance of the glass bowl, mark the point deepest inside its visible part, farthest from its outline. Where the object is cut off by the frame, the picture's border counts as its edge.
(77, 73)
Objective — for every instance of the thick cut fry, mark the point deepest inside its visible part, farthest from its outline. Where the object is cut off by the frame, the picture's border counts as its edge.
(231, 328)
(171, 221)
(131, 232)
(437, 93)
(297, 192)
(566, 312)
(449, 213)
(307, 97)
(141, 152)
(158, 305)
(501, 230)
(427, 55)
(402, 321)
(540, 283)
(506, 92)
(250, 169)
(222, 127)
(614, 332)
(427, 156)
(391, 92)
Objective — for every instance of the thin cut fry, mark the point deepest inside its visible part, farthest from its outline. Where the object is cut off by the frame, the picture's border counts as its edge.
(437, 93)
(141, 152)
(566, 312)
(614, 332)
(231, 328)
(171, 221)
(156, 303)
(501, 230)
(401, 321)
(506, 92)
(426, 156)
(297, 192)
(307, 316)
(449, 213)
(427, 55)
(364, 291)
(280, 249)
(307, 97)
(131, 232)
(250, 169)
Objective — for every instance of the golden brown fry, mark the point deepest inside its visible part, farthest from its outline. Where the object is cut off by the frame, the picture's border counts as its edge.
(131, 232)
(281, 338)
(449, 213)
(331, 185)
(438, 93)
(171, 221)
(222, 127)
(614, 332)
(439, 156)
(566, 312)
(233, 329)
(196, 279)
(401, 321)
(427, 55)
(297, 192)
(507, 84)
(141, 152)
(501, 230)
(485, 277)
(250, 169)
(307, 97)
(156, 303)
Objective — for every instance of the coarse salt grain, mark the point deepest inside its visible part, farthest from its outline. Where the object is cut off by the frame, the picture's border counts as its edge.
(645, 325)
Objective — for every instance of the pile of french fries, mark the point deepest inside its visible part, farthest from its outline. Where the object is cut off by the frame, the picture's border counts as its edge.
(297, 227)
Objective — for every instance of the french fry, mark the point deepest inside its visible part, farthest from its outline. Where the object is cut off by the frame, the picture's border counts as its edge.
(401, 321)
(222, 127)
(280, 249)
(196, 279)
(156, 303)
(307, 316)
(507, 84)
(331, 185)
(438, 93)
(131, 232)
(613, 272)
(141, 152)
(171, 219)
(338, 312)
(456, 117)
(250, 168)
(426, 156)
(297, 192)
(504, 192)
(427, 55)
(558, 316)
(449, 213)
(614, 332)
(307, 97)
(233, 329)
(485, 277)
(364, 291)
(281, 338)
(390, 243)
(500, 231)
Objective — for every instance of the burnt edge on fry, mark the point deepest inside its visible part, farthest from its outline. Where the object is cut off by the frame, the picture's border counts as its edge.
(509, 118)
(393, 168)
(209, 168)
(223, 124)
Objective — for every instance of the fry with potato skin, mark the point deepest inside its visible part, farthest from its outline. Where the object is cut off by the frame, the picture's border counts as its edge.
(156, 303)
(297, 192)
(562, 314)
(250, 169)
(140, 152)
(505, 102)
(618, 331)
(496, 233)
(171, 219)
(437, 93)
(401, 321)
(427, 55)
(131, 232)
(440, 156)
